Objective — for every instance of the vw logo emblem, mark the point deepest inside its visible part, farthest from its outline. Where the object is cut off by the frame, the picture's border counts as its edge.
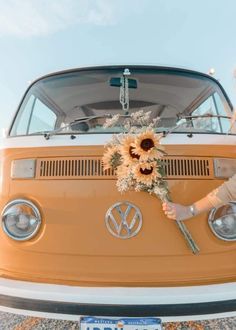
(123, 220)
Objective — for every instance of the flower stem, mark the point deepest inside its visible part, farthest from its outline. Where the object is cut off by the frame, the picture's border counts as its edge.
(193, 246)
(187, 236)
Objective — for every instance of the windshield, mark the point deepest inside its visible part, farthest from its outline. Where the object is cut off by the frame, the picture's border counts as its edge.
(183, 100)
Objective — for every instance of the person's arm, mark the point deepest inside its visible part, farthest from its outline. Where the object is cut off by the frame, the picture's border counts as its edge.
(222, 195)
(182, 212)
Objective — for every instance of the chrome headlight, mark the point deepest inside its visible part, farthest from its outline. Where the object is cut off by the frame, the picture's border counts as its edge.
(21, 220)
(222, 221)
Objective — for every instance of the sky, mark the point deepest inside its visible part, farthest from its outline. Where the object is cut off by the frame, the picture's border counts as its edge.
(41, 36)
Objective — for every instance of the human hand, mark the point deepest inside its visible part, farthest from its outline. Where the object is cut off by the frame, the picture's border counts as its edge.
(176, 211)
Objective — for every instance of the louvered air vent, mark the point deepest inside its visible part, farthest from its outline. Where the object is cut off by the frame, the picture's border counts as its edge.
(91, 167)
(80, 167)
(188, 167)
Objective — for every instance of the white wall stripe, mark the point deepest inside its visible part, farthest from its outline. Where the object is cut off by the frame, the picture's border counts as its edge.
(118, 295)
(101, 139)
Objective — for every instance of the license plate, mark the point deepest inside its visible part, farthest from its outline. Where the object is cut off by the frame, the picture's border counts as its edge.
(97, 323)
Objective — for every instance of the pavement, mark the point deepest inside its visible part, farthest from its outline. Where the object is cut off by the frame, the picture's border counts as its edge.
(18, 322)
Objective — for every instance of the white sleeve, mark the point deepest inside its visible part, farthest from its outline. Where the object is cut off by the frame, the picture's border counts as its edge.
(223, 194)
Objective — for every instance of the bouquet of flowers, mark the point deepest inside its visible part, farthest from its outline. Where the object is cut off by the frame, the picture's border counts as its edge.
(136, 158)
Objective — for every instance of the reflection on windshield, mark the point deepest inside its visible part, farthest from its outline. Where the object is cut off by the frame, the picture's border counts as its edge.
(80, 102)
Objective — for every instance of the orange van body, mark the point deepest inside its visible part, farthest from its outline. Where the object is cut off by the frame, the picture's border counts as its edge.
(73, 246)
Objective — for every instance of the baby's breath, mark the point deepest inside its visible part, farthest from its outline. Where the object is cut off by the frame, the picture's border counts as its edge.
(110, 122)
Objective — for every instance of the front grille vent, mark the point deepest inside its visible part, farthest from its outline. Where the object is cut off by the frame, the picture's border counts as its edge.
(91, 167)
(187, 167)
(72, 168)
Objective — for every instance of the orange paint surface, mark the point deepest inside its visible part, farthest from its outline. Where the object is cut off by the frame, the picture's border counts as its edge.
(74, 246)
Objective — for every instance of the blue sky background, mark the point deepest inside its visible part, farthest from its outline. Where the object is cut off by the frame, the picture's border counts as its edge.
(41, 36)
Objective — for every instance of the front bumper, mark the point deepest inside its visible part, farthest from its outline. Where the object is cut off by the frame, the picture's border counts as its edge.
(70, 302)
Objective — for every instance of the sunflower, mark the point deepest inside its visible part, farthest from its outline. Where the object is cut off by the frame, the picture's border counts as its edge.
(146, 173)
(126, 149)
(123, 171)
(111, 158)
(147, 146)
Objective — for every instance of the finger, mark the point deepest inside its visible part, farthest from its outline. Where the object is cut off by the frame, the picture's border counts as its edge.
(172, 217)
(170, 214)
(164, 205)
(167, 207)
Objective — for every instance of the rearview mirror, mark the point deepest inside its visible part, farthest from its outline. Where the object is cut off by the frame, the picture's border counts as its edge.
(116, 82)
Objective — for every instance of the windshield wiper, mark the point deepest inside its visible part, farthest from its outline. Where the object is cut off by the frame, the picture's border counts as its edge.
(79, 120)
(85, 119)
(179, 116)
(203, 116)
(48, 134)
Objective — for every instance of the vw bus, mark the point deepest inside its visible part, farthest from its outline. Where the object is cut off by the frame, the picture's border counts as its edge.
(71, 244)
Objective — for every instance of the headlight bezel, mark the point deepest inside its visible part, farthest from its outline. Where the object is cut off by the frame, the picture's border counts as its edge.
(36, 211)
(211, 219)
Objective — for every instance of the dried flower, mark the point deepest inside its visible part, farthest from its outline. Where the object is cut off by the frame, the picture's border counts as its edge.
(140, 117)
(110, 122)
(125, 183)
